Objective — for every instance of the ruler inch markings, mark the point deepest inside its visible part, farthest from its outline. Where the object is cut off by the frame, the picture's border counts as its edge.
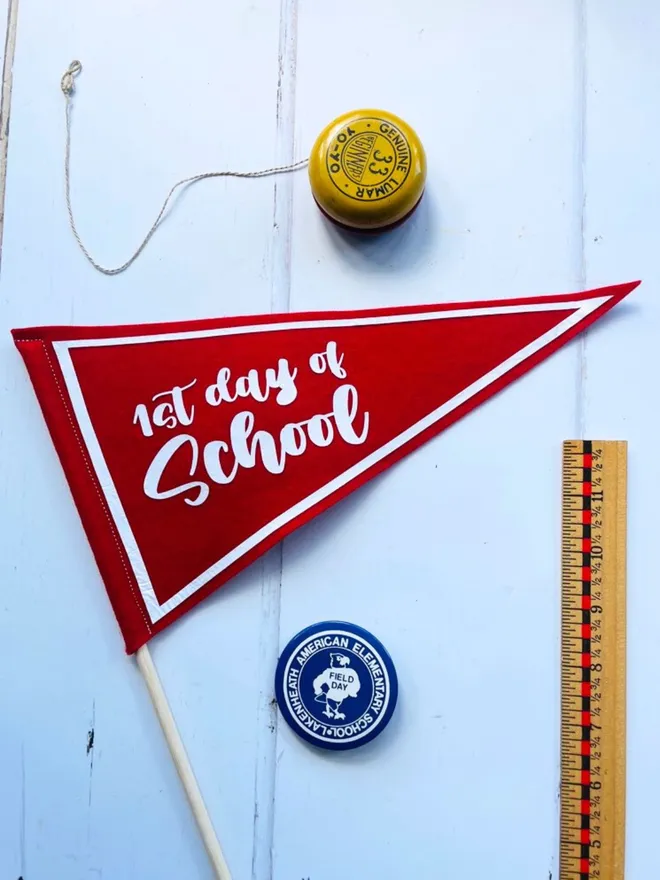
(593, 658)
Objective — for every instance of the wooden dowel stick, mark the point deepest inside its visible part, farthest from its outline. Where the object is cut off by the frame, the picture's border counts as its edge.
(181, 762)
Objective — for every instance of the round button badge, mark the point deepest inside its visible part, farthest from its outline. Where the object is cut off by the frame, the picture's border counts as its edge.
(367, 170)
(336, 685)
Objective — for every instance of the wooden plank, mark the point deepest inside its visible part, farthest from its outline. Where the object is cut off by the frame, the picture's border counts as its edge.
(451, 558)
(622, 161)
(164, 93)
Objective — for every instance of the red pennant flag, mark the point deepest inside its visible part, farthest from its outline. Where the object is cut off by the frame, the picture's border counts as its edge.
(192, 448)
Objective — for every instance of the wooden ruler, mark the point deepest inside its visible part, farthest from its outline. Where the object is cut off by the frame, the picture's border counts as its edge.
(593, 667)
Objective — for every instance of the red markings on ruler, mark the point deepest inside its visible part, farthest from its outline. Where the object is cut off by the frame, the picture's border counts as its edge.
(593, 618)
(580, 838)
(585, 778)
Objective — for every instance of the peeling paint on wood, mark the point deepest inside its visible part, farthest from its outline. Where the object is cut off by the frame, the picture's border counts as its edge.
(5, 104)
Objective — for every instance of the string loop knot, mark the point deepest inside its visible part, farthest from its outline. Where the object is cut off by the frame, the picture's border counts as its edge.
(68, 79)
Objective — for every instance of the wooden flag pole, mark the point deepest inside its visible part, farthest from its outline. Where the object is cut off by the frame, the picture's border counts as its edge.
(182, 763)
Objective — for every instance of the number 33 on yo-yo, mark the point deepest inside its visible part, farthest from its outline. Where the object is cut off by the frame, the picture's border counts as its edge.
(336, 685)
(367, 170)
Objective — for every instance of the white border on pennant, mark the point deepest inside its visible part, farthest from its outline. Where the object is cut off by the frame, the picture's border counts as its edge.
(156, 610)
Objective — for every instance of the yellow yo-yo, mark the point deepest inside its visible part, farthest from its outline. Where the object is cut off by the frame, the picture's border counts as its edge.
(367, 170)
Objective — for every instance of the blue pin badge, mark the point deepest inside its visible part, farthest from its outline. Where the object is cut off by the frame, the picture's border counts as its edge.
(336, 685)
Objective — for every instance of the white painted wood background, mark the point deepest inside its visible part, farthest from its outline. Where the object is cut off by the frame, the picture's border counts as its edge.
(540, 120)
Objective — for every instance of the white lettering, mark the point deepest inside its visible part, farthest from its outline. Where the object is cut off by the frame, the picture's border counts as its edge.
(213, 465)
(293, 439)
(321, 360)
(163, 416)
(246, 448)
(142, 416)
(162, 459)
(335, 361)
(320, 430)
(283, 381)
(215, 394)
(345, 407)
(168, 414)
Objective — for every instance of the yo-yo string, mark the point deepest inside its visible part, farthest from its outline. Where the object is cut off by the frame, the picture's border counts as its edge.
(68, 88)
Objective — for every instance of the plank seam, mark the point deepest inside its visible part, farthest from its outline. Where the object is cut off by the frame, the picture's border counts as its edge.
(5, 105)
(280, 266)
(581, 195)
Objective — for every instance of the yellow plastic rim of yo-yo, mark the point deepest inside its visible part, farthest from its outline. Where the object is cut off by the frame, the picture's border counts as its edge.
(367, 169)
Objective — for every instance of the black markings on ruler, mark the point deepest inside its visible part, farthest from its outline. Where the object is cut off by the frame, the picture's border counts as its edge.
(577, 640)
